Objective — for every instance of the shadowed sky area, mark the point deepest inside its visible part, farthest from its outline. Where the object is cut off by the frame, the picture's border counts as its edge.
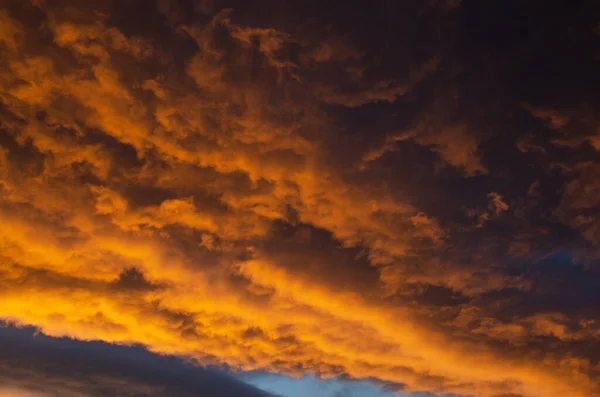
(48, 367)
(321, 198)
(40, 365)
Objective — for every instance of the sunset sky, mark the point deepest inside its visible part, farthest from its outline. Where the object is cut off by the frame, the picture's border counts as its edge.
(258, 198)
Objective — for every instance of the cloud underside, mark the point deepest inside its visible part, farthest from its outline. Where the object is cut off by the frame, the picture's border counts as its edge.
(298, 198)
(39, 366)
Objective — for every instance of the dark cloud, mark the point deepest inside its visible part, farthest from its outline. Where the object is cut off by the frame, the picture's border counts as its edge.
(34, 364)
(132, 278)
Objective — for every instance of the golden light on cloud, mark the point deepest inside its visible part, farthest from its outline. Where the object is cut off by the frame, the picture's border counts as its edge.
(195, 185)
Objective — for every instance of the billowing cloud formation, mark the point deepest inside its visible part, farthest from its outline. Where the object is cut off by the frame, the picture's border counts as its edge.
(277, 188)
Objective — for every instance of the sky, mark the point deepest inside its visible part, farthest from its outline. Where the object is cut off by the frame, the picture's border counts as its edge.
(292, 198)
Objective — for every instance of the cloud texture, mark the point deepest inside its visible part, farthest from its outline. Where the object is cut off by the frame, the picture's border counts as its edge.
(274, 186)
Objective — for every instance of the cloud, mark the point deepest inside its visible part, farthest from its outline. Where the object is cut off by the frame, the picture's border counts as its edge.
(270, 192)
(35, 365)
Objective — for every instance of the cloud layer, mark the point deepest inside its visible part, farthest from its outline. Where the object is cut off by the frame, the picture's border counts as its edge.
(35, 365)
(275, 187)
